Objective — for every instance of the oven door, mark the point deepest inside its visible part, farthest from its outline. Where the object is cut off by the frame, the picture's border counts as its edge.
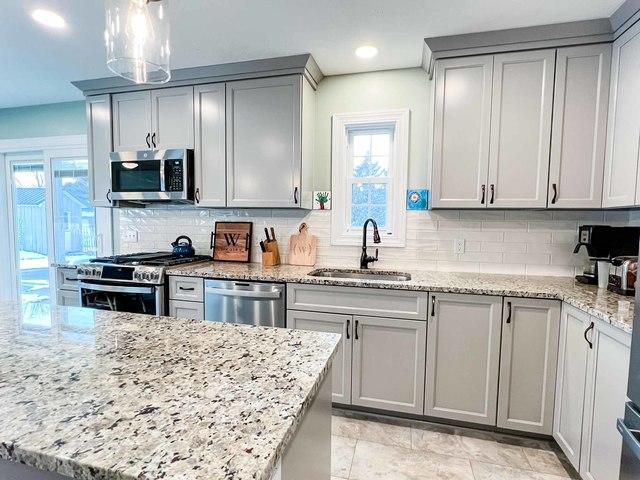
(148, 299)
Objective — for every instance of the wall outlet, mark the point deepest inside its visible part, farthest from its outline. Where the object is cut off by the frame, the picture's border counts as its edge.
(131, 236)
(458, 245)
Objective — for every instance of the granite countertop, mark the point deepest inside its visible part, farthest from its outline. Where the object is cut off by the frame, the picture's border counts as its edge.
(101, 395)
(599, 303)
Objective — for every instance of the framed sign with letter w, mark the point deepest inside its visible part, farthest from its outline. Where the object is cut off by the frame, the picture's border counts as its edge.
(231, 242)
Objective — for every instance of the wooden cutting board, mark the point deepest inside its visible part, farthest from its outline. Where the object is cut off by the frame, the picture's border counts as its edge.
(302, 247)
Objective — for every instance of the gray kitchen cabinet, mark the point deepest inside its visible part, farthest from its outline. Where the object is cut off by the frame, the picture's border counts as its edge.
(131, 121)
(172, 117)
(266, 164)
(160, 119)
(210, 154)
(331, 323)
(623, 142)
(529, 356)
(99, 143)
(183, 309)
(388, 364)
(67, 291)
(520, 129)
(190, 289)
(573, 355)
(606, 388)
(579, 129)
(463, 355)
(462, 118)
(68, 298)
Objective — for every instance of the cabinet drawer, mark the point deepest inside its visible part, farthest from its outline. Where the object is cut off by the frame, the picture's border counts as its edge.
(67, 278)
(68, 298)
(358, 301)
(184, 309)
(186, 288)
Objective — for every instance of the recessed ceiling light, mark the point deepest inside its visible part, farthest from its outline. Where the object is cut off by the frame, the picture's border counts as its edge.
(366, 51)
(48, 18)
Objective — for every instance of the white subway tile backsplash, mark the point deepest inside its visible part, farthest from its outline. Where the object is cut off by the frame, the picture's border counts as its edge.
(496, 241)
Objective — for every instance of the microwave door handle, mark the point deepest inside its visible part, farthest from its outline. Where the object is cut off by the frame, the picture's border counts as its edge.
(242, 293)
(163, 168)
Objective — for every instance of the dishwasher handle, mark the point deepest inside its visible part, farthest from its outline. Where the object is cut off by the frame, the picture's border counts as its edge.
(243, 293)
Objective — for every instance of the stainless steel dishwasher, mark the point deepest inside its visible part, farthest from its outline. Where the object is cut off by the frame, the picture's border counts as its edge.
(249, 303)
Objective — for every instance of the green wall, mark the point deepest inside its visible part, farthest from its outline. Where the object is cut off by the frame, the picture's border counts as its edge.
(367, 92)
(43, 120)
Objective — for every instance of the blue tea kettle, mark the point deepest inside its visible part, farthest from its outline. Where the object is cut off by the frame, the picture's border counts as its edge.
(182, 248)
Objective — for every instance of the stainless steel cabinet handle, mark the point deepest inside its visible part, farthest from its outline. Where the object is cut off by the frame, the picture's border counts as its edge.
(242, 293)
(590, 327)
(508, 312)
(484, 191)
(433, 306)
(147, 140)
(115, 288)
(348, 327)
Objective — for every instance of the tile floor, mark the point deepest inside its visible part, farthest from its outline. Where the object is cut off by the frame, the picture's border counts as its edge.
(377, 448)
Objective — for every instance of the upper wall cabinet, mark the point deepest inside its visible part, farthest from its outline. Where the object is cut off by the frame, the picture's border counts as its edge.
(268, 159)
(161, 119)
(579, 130)
(621, 168)
(210, 181)
(492, 130)
(520, 129)
(461, 131)
(99, 143)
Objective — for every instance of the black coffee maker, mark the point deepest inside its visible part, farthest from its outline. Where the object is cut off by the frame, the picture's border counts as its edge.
(604, 242)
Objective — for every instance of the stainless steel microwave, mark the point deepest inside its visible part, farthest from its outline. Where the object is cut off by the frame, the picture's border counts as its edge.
(152, 175)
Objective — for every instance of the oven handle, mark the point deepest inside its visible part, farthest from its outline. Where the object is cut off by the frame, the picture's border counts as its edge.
(242, 293)
(115, 288)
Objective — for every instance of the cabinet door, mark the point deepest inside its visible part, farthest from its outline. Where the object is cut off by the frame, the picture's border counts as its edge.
(463, 355)
(389, 364)
(579, 126)
(520, 129)
(529, 356)
(131, 121)
(570, 382)
(330, 323)
(210, 167)
(263, 142)
(172, 117)
(182, 309)
(605, 397)
(68, 298)
(621, 168)
(99, 146)
(461, 132)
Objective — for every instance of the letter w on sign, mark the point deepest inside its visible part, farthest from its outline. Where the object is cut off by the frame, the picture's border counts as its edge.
(231, 238)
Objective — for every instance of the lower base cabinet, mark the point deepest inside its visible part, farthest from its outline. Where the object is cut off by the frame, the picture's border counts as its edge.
(330, 323)
(463, 355)
(591, 385)
(389, 364)
(184, 309)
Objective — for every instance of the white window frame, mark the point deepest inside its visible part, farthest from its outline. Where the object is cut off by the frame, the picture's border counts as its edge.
(45, 149)
(341, 231)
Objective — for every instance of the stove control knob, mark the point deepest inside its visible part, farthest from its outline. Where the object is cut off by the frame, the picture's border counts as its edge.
(155, 276)
(146, 276)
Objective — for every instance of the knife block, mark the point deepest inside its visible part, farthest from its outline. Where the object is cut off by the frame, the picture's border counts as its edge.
(271, 257)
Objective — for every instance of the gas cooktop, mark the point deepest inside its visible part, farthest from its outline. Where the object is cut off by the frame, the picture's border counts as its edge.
(158, 259)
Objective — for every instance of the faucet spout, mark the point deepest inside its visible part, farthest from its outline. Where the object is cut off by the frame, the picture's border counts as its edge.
(365, 259)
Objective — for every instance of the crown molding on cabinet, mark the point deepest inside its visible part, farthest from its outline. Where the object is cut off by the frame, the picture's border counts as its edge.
(303, 64)
(601, 30)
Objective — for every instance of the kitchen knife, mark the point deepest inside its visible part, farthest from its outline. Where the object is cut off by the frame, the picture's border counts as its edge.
(273, 234)
(266, 232)
(262, 247)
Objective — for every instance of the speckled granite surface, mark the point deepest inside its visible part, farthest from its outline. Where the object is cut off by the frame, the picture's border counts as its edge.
(99, 395)
(600, 303)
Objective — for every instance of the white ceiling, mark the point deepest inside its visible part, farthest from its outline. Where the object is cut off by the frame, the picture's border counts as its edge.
(37, 64)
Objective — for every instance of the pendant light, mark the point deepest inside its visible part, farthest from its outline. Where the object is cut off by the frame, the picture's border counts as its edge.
(137, 39)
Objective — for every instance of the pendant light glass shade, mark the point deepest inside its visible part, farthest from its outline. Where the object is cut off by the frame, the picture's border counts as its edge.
(137, 40)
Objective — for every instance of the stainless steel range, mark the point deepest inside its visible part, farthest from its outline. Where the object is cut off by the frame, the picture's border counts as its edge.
(129, 283)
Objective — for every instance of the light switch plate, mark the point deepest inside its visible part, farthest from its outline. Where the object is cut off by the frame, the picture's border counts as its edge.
(458, 245)
(131, 236)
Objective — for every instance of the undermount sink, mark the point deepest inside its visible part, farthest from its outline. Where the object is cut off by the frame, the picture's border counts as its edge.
(361, 274)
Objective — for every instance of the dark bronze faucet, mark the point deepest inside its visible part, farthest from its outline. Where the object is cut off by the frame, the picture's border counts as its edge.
(365, 259)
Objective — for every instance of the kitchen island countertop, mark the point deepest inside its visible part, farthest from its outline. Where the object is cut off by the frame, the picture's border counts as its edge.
(100, 395)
